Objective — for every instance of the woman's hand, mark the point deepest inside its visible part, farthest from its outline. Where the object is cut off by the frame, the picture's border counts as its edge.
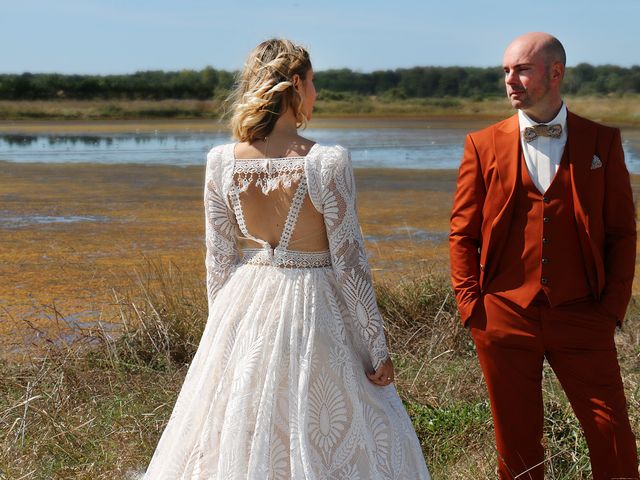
(384, 375)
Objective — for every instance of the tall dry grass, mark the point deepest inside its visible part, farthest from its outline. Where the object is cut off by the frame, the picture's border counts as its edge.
(614, 109)
(94, 407)
(108, 109)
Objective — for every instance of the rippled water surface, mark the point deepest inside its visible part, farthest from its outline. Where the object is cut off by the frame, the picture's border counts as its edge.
(423, 148)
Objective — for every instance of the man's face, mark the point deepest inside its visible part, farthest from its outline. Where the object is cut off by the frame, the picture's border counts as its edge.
(526, 75)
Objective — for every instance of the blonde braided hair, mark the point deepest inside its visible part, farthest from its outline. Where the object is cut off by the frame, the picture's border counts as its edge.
(264, 89)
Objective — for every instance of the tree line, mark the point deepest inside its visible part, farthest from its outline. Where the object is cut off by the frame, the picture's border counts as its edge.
(417, 82)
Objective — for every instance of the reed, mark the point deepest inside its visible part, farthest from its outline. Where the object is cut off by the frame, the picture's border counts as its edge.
(615, 109)
(93, 406)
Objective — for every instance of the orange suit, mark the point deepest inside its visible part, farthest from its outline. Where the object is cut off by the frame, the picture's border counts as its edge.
(565, 309)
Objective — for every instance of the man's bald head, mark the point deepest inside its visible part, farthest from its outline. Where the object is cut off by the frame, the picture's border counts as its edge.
(541, 43)
(534, 65)
(554, 51)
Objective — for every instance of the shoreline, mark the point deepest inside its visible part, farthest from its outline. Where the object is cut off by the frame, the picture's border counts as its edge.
(116, 115)
(206, 125)
(190, 126)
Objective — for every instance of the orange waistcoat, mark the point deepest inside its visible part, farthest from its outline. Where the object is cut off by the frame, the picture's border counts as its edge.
(542, 250)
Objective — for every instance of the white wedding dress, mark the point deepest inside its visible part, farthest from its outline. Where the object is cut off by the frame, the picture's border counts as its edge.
(277, 388)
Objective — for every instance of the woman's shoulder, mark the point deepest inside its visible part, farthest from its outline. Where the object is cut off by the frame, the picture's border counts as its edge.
(326, 165)
(331, 155)
(219, 162)
(219, 151)
(219, 156)
(335, 150)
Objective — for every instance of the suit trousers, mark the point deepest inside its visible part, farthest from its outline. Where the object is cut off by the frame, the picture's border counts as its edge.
(578, 342)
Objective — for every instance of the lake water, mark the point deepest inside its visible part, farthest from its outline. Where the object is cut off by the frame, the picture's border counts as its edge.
(422, 148)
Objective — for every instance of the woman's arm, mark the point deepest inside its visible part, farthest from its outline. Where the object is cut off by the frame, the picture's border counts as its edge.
(348, 255)
(220, 238)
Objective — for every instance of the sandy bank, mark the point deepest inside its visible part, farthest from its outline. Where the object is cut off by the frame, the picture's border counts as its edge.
(71, 232)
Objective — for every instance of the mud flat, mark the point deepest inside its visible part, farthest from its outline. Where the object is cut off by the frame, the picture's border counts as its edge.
(71, 233)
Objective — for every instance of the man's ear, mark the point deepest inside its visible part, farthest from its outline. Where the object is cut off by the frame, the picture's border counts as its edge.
(557, 71)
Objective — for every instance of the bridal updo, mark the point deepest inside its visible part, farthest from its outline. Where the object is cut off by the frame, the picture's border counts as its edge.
(265, 89)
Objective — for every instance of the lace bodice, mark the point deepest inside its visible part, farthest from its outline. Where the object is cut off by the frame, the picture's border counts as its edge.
(326, 176)
(268, 175)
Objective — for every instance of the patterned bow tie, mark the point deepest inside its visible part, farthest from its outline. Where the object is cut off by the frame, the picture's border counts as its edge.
(553, 131)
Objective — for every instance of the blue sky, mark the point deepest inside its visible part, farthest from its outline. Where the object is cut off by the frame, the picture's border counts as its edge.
(122, 36)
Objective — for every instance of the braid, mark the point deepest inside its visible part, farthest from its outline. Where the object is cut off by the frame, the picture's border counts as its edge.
(264, 89)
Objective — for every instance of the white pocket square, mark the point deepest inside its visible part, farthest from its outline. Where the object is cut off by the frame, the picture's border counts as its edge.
(596, 162)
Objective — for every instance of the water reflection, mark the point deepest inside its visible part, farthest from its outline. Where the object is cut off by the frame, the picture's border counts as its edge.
(410, 233)
(13, 140)
(422, 148)
(11, 220)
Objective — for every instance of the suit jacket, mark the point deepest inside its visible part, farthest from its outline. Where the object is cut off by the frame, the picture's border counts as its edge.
(603, 206)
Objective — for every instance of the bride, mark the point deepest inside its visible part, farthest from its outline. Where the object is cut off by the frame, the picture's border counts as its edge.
(292, 378)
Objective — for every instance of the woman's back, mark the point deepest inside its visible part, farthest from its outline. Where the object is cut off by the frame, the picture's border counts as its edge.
(270, 191)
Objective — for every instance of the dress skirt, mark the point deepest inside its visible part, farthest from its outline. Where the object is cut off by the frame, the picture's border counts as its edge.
(278, 390)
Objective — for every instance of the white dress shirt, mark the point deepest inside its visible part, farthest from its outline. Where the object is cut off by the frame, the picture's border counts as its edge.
(543, 154)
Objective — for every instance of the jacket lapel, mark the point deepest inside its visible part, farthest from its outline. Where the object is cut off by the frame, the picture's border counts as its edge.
(582, 146)
(506, 140)
(507, 148)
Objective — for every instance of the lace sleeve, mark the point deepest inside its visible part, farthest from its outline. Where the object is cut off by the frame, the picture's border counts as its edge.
(348, 255)
(222, 251)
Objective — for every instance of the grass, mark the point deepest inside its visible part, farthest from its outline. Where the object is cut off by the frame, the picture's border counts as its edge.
(94, 407)
(108, 109)
(615, 109)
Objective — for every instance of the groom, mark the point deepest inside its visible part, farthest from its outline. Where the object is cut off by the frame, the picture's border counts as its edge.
(543, 244)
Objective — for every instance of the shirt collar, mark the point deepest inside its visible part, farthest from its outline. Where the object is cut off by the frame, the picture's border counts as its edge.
(560, 118)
